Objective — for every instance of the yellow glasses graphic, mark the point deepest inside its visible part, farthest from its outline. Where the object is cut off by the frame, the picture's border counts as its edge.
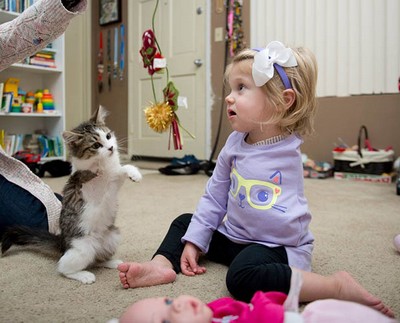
(260, 195)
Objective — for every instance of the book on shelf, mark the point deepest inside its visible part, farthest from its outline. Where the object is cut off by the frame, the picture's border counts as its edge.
(6, 102)
(1, 95)
(41, 61)
(2, 136)
(368, 178)
(50, 146)
(45, 58)
(15, 5)
(35, 143)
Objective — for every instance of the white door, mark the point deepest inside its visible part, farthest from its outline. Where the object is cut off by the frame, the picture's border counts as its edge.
(180, 29)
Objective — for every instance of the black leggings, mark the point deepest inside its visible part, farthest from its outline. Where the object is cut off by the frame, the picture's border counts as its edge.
(252, 267)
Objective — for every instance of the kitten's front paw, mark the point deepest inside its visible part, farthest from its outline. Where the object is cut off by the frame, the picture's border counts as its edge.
(85, 277)
(112, 263)
(133, 173)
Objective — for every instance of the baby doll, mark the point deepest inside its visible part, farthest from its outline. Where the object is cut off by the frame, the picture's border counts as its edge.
(272, 307)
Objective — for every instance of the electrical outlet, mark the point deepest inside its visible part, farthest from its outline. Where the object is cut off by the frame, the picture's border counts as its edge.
(218, 34)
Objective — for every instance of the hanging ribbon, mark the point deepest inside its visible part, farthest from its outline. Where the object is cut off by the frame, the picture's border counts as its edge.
(122, 53)
(161, 116)
(234, 26)
(100, 66)
(109, 61)
(115, 72)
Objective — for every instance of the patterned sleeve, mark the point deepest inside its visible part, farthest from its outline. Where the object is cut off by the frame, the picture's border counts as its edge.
(33, 29)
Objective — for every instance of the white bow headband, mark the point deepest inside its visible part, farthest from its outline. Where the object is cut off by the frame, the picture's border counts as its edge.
(274, 56)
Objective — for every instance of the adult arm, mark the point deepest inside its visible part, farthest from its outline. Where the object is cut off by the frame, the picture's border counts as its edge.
(37, 26)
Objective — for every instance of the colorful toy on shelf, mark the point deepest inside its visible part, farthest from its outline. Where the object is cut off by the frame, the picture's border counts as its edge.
(48, 102)
(18, 101)
(11, 85)
(39, 104)
(16, 104)
(27, 106)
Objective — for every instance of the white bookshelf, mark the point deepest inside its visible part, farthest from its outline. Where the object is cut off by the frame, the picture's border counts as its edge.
(33, 78)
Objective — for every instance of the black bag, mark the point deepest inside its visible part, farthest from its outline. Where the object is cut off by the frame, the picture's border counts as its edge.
(364, 160)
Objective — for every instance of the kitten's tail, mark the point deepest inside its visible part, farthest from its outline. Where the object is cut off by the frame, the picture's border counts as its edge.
(21, 236)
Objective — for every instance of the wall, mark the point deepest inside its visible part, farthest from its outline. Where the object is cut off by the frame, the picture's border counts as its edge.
(336, 117)
(77, 61)
(342, 117)
(356, 42)
(217, 72)
(116, 99)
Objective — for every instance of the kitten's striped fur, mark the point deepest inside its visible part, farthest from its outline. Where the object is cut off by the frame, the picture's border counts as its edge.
(88, 235)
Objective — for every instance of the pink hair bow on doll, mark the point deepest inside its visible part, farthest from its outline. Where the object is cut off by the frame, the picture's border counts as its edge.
(274, 57)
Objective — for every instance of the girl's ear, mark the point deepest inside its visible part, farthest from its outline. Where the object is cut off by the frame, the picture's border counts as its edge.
(289, 96)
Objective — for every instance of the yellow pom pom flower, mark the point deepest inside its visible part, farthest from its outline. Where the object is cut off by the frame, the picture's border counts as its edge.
(159, 116)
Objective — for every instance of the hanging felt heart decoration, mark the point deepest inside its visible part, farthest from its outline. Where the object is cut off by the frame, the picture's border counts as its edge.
(161, 115)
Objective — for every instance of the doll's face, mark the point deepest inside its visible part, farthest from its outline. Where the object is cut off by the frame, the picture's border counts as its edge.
(182, 309)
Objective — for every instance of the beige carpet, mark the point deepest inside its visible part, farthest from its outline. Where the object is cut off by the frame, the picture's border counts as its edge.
(353, 223)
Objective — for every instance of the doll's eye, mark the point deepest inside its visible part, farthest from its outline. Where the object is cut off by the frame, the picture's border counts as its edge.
(168, 301)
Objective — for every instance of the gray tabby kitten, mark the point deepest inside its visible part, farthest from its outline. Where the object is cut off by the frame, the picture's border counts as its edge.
(88, 235)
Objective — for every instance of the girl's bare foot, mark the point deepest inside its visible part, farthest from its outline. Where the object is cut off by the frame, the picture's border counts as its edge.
(151, 273)
(350, 290)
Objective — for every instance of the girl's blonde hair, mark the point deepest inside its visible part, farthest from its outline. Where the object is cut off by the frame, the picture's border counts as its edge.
(299, 118)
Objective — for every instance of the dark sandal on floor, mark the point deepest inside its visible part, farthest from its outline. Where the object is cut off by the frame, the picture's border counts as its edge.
(188, 169)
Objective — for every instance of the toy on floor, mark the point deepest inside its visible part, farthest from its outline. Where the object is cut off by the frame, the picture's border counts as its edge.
(314, 169)
(396, 166)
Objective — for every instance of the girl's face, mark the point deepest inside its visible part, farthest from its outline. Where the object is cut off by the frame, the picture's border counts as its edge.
(247, 105)
(182, 309)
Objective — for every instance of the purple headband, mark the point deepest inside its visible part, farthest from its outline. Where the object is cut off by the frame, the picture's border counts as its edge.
(285, 80)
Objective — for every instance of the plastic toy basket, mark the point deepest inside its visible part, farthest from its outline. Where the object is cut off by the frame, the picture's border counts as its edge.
(364, 160)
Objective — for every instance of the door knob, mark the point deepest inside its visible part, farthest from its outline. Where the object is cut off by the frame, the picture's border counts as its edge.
(198, 62)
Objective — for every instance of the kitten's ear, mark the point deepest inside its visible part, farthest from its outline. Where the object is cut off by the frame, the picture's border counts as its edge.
(100, 115)
(71, 137)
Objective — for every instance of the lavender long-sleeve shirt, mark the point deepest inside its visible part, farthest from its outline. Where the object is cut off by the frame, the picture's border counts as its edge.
(256, 195)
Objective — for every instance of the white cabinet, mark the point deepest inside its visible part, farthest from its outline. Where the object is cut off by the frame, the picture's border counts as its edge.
(33, 78)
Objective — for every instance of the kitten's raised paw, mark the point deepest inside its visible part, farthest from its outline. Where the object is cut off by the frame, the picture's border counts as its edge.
(133, 173)
(85, 277)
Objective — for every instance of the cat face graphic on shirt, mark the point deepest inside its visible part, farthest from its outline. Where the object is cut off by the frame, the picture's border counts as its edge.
(259, 194)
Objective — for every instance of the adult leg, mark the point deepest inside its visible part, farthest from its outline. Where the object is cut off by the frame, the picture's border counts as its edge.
(258, 268)
(19, 207)
(164, 265)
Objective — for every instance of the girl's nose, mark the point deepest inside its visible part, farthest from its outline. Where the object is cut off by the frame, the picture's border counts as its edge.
(229, 99)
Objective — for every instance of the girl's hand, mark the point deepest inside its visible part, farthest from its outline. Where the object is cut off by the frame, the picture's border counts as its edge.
(189, 258)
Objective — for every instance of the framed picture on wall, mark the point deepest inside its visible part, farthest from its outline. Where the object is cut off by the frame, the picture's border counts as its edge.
(110, 12)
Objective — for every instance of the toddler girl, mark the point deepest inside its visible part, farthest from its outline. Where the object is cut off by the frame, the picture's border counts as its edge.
(254, 217)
